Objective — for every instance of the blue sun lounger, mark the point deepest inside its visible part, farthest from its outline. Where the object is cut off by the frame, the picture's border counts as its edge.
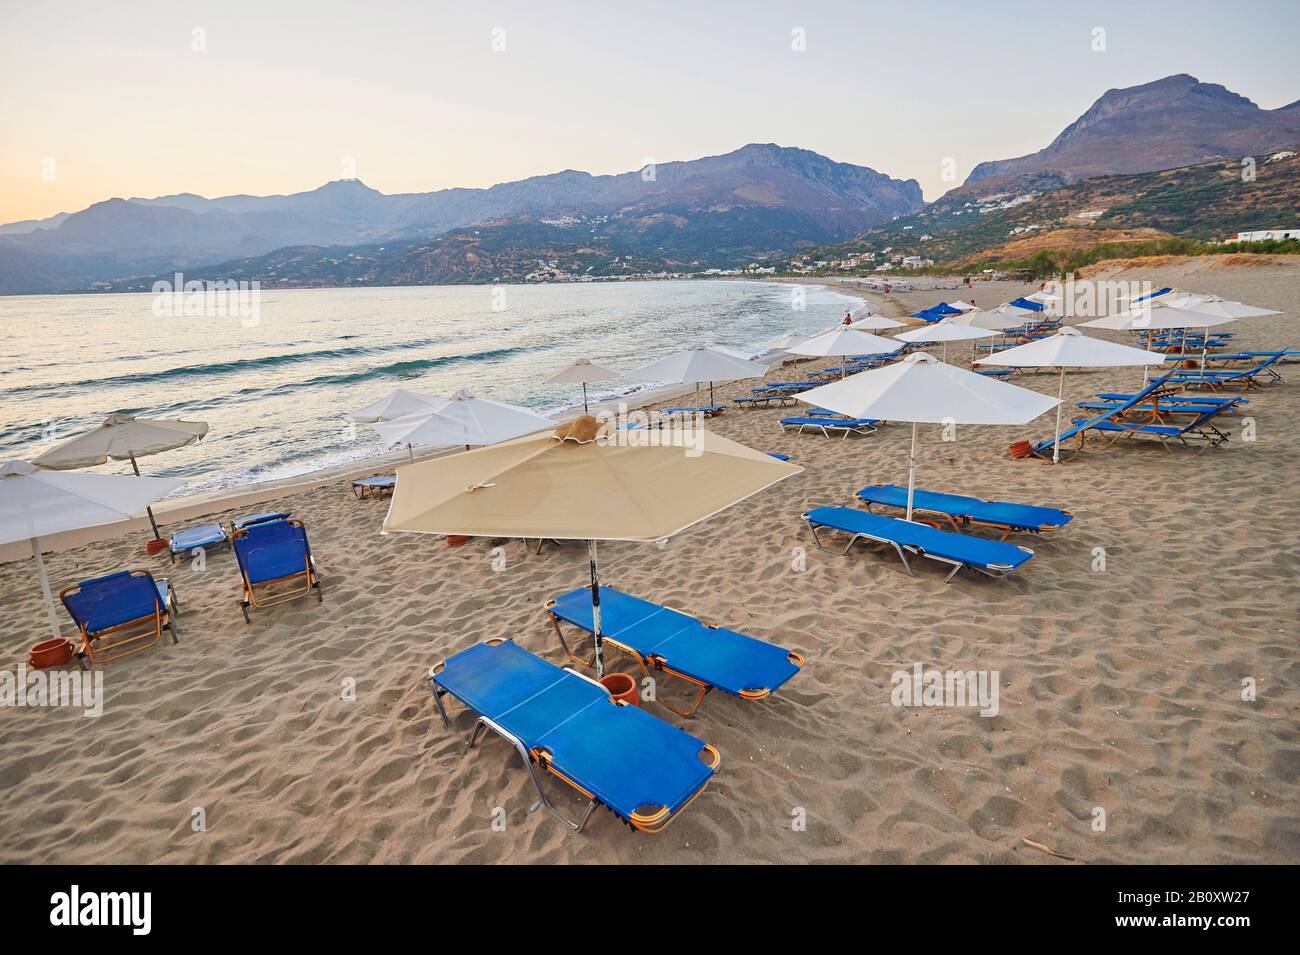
(200, 537)
(964, 511)
(766, 400)
(636, 765)
(826, 424)
(121, 613)
(1156, 409)
(708, 411)
(1043, 449)
(994, 558)
(374, 486)
(270, 554)
(259, 518)
(1246, 376)
(1200, 428)
(660, 638)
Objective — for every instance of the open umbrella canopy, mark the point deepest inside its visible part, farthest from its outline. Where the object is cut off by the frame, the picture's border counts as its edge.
(920, 388)
(1155, 318)
(121, 438)
(990, 320)
(639, 485)
(700, 364)
(784, 342)
(395, 405)
(843, 341)
(463, 419)
(876, 323)
(1222, 308)
(36, 503)
(923, 390)
(1070, 348)
(603, 484)
(583, 372)
(962, 306)
(945, 332)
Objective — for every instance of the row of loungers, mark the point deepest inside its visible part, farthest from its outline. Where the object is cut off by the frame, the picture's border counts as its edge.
(1158, 402)
(566, 725)
(919, 538)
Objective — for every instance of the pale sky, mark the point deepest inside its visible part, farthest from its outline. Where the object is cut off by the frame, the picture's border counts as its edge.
(104, 100)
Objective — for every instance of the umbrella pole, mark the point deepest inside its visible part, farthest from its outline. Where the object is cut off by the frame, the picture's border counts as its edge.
(597, 637)
(1056, 445)
(45, 587)
(148, 510)
(710, 393)
(584, 399)
(911, 473)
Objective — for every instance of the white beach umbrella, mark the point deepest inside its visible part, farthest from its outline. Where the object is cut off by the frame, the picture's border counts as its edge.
(395, 405)
(1156, 318)
(962, 306)
(876, 323)
(583, 372)
(123, 437)
(923, 390)
(698, 365)
(1070, 348)
(783, 342)
(991, 320)
(842, 342)
(943, 333)
(463, 419)
(36, 504)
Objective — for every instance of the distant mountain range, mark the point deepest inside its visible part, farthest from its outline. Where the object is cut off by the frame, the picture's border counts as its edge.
(757, 202)
(717, 210)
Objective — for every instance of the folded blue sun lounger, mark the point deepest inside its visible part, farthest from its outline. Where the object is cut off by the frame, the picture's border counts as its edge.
(826, 424)
(199, 537)
(270, 554)
(660, 638)
(121, 613)
(994, 558)
(766, 400)
(374, 486)
(639, 767)
(962, 511)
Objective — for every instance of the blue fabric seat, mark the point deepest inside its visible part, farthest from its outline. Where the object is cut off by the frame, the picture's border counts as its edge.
(1200, 428)
(826, 424)
(641, 768)
(962, 510)
(661, 638)
(374, 486)
(121, 613)
(995, 558)
(271, 553)
(1246, 376)
(259, 518)
(201, 536)
(1080, 428)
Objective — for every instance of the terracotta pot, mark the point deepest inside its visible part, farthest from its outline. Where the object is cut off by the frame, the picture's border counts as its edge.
(456, 540)
(155, 546)
(622, 687)
(1021, 449)
(50, 653)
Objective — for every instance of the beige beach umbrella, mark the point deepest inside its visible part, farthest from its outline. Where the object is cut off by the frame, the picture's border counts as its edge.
(625, 485)
(123, 437)
(583, 372)
(700, 364)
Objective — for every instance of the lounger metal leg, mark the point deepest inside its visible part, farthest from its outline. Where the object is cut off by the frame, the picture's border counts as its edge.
(437, 699)
(555, 622)
(484, 723)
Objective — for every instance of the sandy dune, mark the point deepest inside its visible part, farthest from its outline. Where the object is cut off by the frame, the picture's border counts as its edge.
(1120, 689)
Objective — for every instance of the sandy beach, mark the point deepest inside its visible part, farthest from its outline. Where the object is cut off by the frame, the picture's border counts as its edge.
(1120, 688)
